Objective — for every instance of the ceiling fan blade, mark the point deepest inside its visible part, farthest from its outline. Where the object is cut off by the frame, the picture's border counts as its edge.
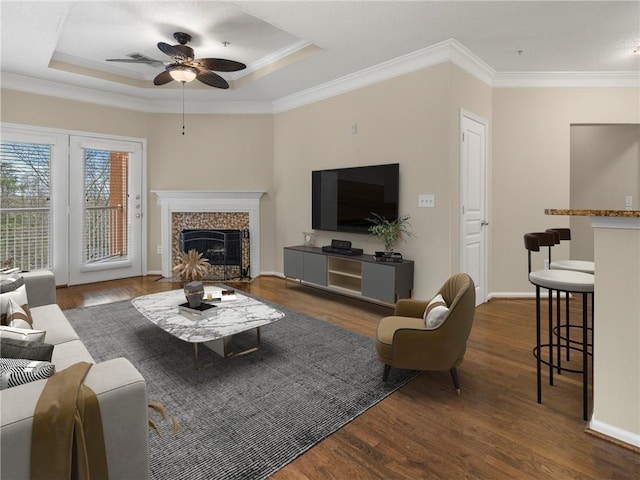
(172, 51)
(221, 64)
(162, 78)
(212, 79)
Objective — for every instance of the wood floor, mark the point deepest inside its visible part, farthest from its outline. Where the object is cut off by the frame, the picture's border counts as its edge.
(495, 429)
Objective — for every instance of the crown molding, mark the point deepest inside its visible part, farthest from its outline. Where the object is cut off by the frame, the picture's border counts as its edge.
(448, 50)
(128, 102)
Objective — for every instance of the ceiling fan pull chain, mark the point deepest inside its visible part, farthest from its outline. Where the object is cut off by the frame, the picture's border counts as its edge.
(182, 108)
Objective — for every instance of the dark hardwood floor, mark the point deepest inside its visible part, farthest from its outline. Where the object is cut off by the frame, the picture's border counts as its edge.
(495, 429)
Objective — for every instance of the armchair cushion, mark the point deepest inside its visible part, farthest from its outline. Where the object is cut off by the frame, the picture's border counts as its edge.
(387, 328)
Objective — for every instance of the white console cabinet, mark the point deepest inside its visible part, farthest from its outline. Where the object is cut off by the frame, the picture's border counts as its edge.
(360, 276)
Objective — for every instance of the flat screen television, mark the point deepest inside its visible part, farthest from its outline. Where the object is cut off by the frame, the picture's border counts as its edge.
(343, 198)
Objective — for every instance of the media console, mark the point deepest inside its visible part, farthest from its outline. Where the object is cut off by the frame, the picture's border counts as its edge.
(359, 276)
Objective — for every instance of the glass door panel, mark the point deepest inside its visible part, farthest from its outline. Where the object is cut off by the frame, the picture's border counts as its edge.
(105, 210)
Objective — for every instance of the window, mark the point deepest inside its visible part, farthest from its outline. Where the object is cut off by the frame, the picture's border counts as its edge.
(105, 213)
(25, 205)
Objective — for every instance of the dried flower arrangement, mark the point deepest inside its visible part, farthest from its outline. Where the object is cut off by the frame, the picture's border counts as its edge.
(191, 266)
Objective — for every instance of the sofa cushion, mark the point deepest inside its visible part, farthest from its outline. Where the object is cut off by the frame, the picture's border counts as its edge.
(67, 353)
(52, 319)
(14, 372)
(11, 348)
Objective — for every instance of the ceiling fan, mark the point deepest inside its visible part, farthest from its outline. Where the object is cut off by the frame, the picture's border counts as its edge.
(185, 67)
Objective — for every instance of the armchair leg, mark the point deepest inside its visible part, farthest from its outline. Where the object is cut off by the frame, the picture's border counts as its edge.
(385, 374)
(456, 381)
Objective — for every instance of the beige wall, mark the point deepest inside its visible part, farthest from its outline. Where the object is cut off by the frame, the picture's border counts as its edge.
(605, 168)
(218, 152)
(412, 120)
(530, 165)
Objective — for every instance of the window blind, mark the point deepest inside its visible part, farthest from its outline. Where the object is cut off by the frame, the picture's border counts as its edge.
(26, 217)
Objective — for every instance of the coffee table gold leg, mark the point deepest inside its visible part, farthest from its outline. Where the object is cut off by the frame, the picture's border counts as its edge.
(196, 359)
(248, 350)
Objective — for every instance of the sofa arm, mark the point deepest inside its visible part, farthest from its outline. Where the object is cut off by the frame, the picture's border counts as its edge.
(122, 395)
(41, 287)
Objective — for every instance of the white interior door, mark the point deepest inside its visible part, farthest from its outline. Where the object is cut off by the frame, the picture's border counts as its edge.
(105, 209)
(473, 231)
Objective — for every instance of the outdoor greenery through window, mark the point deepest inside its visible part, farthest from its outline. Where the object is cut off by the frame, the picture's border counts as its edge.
(25, 197)
(105, 220)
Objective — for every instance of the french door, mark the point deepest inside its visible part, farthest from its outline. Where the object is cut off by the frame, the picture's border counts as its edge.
(105, 209)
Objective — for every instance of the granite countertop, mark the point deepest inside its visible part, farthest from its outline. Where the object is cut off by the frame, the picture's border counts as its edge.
(593, 213)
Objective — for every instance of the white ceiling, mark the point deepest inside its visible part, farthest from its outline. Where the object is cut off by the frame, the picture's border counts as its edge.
(296, 48)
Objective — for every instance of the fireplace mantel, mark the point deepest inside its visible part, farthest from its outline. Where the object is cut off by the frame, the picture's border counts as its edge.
(210, 201)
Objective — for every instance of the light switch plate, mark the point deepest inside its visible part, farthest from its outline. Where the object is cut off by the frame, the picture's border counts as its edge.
(426, 200)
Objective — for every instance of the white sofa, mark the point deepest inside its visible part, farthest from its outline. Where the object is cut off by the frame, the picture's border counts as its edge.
(119, 387)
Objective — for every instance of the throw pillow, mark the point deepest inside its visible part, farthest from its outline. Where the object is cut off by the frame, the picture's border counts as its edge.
(27, 335)
(8, 283)
(12, 348)
(17, 316)
(19, 295)
(14, 372)
(435, 313)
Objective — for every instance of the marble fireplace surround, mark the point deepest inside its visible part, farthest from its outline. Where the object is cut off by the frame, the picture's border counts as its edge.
(214, 201)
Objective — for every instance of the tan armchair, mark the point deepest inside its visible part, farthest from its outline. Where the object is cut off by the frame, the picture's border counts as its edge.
(403, 341)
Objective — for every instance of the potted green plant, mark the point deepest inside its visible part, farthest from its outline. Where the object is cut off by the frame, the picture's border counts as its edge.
(389, 231)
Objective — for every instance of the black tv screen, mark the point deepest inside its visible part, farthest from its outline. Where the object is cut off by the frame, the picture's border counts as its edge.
(343, 198)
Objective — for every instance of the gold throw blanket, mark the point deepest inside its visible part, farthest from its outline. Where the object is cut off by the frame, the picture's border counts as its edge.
(67, 442)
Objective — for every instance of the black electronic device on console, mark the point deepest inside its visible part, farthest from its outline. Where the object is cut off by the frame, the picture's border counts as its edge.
(388, 257)
(342, 247)
(341, 244)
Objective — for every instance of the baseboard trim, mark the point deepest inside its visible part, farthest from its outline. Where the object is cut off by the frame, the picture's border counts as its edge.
(543, 294)
(613, 434)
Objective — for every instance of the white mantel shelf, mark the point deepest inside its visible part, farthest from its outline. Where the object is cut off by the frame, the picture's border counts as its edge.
(208, 194)
(210, 201)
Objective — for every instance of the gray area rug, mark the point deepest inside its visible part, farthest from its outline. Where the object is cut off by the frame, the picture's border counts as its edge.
(244, 417)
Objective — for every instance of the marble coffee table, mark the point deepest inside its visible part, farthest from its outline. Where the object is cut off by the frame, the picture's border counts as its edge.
(215, 330)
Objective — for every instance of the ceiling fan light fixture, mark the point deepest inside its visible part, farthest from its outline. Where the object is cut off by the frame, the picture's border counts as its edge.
(183, 73)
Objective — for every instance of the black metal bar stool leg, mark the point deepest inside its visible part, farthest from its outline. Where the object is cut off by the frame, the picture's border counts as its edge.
(538, 353)
(550, 337)
(585, 373)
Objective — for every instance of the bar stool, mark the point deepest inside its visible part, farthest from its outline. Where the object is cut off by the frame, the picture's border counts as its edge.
(561, 234)
(563, 281)
(573, 265)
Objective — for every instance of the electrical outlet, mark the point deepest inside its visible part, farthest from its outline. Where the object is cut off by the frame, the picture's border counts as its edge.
(159, 249)
(426, 201)
(628, 202)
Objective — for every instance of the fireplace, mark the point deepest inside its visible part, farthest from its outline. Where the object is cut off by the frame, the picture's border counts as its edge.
(222, 248)
(211, 210)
